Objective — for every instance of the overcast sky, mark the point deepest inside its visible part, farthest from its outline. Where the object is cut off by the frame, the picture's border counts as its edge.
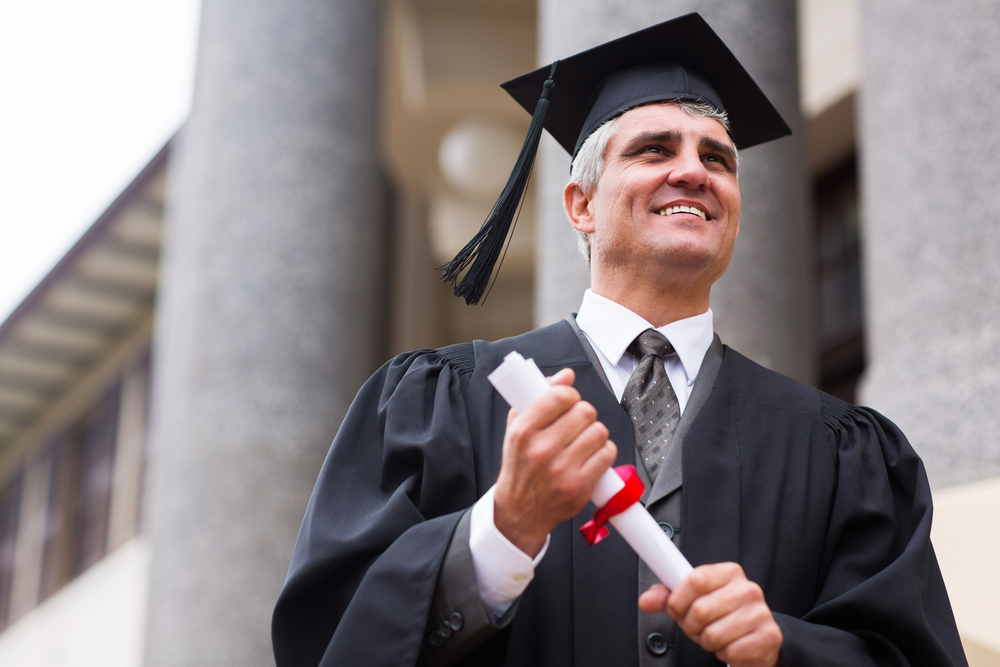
(90, 92)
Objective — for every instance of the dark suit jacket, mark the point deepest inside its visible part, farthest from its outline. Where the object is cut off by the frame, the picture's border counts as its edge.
(825, 505)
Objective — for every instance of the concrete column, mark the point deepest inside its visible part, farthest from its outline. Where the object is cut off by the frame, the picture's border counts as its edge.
(930, 168)
(271, 309)
(763, 304)
(561, 273)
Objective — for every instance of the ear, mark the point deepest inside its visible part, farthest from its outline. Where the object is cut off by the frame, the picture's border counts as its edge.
(579, 208)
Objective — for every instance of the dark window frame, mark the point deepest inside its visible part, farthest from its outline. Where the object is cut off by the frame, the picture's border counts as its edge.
(839, 279)
(10, 510)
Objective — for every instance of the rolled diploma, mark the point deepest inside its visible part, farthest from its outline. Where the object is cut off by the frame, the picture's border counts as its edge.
(521, 383)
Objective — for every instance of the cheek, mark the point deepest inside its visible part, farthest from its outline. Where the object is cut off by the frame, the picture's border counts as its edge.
(616, 198)
(733, 200)
(614, 213)
(628, 190)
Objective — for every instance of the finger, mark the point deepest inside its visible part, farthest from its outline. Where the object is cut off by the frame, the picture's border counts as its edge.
(702, 580)
(548, 408)
(742, 622)
(566, 442)
(573, 421)
(598, 462)
(712, 607)
(761, 646)
(579, 429)
(553, 403)
(564, 377)
(580, 463)
(560, 447)
(654, 600)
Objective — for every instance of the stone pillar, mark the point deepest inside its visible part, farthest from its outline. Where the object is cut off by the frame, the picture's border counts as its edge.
(271, 309)
(561, 273)
(930, 168)
(763, 304)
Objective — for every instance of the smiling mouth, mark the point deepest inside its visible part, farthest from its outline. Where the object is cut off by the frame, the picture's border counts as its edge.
(670, 210)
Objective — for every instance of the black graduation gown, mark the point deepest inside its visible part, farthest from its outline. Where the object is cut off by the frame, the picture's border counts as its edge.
(824, 504)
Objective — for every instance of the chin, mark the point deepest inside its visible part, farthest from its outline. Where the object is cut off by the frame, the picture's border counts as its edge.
(684, 264)
(689, 256)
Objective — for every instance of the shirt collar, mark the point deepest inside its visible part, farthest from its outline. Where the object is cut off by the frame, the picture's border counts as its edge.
(611, 327)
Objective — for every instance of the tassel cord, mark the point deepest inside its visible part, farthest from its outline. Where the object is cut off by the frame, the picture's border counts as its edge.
(480, 254)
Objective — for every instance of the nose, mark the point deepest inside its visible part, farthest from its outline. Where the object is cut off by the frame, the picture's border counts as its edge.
(687, 170)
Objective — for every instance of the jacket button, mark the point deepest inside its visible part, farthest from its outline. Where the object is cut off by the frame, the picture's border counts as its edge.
(656, 643)
(669, 529)
(456, 620)
(436, 639)
(445, 629)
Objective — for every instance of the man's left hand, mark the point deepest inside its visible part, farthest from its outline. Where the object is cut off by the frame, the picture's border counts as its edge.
(723, 612)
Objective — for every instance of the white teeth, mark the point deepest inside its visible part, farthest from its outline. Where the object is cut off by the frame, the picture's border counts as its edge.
(670, 210)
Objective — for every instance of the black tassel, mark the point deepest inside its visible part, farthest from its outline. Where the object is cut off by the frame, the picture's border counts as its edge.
(480, 254)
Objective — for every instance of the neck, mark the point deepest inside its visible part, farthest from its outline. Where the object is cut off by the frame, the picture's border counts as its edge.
(657, 304)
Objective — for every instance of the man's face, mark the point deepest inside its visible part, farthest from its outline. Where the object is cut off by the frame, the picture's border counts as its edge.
(668, 201)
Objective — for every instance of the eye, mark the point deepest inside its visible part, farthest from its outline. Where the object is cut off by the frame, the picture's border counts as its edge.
(716, 159)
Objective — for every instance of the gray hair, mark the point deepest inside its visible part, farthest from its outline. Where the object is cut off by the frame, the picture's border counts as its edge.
(588, 165)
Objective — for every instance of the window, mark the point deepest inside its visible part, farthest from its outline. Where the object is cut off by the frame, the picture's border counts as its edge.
(59, 514)
(10, 504)
(97, 453)
(841, 308)
(81, 476)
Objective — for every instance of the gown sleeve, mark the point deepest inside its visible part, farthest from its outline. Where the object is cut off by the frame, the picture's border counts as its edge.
(397, 479)
(882, 600)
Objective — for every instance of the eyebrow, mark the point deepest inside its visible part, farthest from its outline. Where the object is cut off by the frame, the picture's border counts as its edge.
(719, 147)
(672, 136)
(664, 136)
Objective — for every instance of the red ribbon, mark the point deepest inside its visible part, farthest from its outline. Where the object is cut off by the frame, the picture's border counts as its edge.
(594, 530)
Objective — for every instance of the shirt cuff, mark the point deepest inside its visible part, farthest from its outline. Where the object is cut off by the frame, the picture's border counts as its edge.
(502, 570)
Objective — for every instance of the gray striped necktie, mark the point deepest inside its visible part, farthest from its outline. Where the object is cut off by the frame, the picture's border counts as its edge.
(650, 400)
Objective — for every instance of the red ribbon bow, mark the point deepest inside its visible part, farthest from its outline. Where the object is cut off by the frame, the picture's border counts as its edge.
(594, 530)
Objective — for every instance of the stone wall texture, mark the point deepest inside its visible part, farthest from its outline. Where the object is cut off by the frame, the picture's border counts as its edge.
(271, 310)
(929, 147)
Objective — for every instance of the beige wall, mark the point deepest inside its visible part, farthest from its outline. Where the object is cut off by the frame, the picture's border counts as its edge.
(966, 536)
(829, 52)
(95, 621)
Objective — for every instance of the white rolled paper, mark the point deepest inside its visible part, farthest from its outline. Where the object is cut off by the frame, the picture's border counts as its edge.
(521, 383)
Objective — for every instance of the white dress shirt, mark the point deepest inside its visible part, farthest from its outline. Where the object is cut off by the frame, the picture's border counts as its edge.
(611, 328)
(502, 570)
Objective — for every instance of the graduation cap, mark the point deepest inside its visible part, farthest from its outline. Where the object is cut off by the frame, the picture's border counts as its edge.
(681, 59)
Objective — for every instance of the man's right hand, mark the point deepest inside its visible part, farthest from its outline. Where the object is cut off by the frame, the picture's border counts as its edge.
(553, 456)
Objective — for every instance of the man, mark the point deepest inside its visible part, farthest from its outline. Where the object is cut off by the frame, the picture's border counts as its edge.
(443, 526)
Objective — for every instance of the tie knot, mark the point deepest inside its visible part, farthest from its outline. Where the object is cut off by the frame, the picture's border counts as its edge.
(650, 342)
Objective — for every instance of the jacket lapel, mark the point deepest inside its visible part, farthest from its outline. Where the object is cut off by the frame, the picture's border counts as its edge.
(712, 492)
(604, 575)
(670, 477)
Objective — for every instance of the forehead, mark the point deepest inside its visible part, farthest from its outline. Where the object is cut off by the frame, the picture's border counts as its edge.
(667, 117)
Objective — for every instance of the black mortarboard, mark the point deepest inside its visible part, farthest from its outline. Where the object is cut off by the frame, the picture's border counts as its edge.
(681, 59)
